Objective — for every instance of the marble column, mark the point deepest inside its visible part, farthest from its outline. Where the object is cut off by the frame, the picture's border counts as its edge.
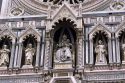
(113, 49)
(37, 54)
(47, 54)
(87, 55)
(118, 50)
(91, 58)
(16, 54)
(80, 52)
(19, 55)
(110, 51)
(42, 52)
(12, 55)
(5, 4)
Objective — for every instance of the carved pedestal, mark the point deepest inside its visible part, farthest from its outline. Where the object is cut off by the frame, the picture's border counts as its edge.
(3, 68)
(63, 65)
(27, 66)
(101, 63)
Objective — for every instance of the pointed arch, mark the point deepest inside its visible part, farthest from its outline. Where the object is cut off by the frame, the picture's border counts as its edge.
(64, 12)
(8, 32)
(120, 41)
(120, 29)
(30, 30)
(97, 28)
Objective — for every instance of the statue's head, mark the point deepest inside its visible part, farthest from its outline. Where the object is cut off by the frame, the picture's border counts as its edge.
(4, 46)
(64, 37)
(30, 45)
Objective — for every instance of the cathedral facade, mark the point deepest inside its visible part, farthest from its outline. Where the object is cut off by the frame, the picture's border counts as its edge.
(62, 41)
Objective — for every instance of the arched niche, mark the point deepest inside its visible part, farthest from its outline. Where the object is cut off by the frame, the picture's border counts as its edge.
(64, 28)
(5, 41)
(121, 39)
(100, 38)
(29, 39)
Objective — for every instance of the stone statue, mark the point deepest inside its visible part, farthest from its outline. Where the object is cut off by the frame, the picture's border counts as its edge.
(101, 52)
(29, 53)
(64, 52)
(4, 56)
(123, 48)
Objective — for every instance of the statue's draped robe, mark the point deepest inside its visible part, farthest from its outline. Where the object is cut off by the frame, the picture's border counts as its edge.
(4, 56)
(29, 52)
(63, 54)
(101, 52)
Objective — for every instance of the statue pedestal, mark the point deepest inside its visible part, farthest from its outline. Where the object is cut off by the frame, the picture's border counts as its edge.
(63, 65)
(123, 62)
(27, 66)
(3, 68)
(100, 63)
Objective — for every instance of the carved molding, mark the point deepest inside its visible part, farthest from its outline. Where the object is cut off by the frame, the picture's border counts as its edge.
(97, 28)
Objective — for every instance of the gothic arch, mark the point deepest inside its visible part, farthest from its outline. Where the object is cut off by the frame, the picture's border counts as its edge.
(100, 32)
(30, 31)
(8, 32)
(57, 23)
(97, 28)
(67, 18)
(119, 30)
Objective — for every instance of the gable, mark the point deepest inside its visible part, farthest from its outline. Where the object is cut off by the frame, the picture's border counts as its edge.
(99, 27)
(64, 12)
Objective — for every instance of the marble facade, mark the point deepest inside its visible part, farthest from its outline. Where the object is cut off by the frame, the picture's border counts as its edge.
(43, 24)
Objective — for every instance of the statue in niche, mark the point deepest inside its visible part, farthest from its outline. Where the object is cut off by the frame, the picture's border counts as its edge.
(29, 53)
(123, 48)
(101, 52)
(4, 56)
(63, 53)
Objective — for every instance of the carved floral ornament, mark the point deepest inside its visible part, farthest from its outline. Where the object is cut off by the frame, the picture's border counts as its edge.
(118, 5)
(16, 11)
